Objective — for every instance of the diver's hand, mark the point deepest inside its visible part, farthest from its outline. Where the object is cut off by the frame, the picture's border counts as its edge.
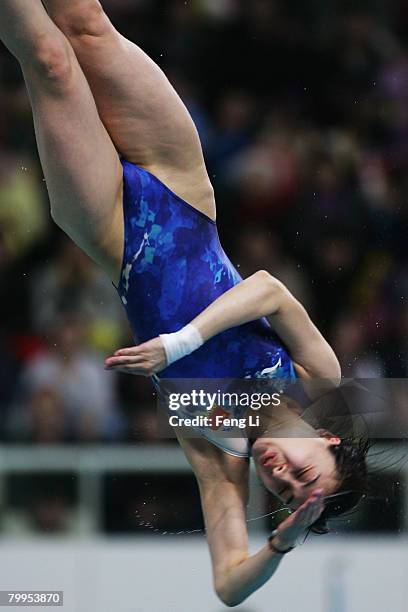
(143, 360)
(296, 524)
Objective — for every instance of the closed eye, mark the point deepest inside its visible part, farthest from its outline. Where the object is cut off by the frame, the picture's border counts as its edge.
(290, 499)
(300, 475)
(311, 482)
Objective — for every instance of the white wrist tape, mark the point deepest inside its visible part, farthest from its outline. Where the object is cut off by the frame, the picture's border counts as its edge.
(181, 343)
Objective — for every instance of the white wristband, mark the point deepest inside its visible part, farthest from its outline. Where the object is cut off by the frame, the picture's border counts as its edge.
(181, 343)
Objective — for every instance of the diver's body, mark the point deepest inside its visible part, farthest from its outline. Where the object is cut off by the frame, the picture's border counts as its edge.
(173, 268)
(97, 100)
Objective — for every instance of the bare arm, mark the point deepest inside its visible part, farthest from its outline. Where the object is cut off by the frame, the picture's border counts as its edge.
(223, 483)
(236, 575)
(259, 295)
(262, 295)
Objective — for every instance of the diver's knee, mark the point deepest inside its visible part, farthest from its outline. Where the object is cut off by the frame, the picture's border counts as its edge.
(51, 59)
(89, 21)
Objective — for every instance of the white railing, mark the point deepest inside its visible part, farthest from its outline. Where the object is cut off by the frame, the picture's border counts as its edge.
(92, 463)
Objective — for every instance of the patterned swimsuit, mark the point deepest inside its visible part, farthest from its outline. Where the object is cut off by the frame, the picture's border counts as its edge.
(173, 268)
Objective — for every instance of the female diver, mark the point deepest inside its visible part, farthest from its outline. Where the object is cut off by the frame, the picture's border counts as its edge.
(149, 222)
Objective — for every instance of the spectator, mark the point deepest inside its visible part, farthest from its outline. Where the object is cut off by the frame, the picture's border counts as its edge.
(69, 376)
(73, 282)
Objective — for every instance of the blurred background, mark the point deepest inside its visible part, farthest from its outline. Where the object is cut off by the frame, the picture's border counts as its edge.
(302, 109)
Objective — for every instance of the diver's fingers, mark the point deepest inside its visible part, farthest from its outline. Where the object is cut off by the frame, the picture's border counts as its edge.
(118, 361)
(311, 509)
(131, 350)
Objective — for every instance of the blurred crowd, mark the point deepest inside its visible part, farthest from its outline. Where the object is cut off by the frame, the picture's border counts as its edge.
(302, 109)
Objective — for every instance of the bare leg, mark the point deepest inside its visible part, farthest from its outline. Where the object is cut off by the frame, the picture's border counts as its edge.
(144, 116)
(80, 164)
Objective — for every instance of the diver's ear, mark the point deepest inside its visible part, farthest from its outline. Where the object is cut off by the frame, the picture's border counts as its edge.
(331, 438)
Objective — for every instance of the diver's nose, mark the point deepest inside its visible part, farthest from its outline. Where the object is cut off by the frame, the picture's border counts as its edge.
(280, 470)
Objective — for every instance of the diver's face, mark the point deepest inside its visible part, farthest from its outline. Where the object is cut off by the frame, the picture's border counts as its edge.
(292, 468)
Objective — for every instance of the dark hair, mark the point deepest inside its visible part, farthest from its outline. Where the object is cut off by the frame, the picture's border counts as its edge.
(351, 466)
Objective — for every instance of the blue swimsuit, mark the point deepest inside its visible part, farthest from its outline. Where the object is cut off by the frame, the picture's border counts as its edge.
(173, 268)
